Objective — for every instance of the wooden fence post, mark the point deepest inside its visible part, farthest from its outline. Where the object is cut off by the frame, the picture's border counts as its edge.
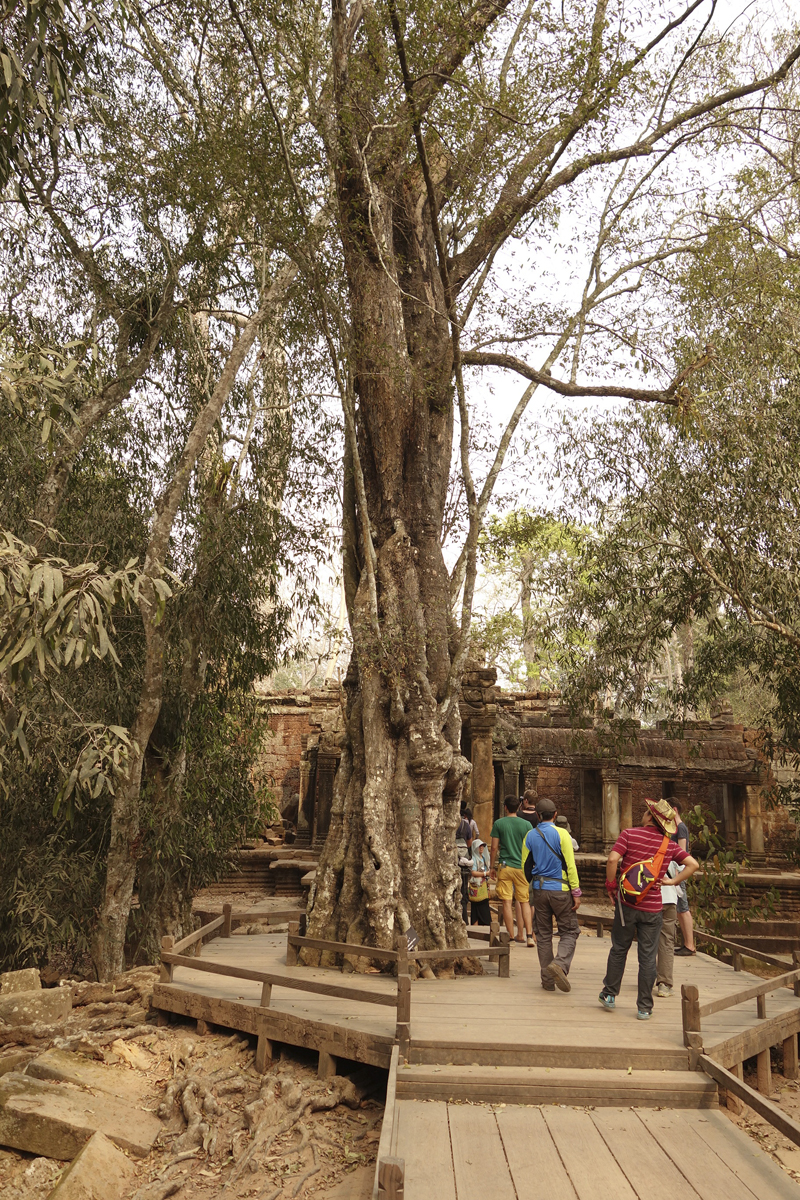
(690, 1013)
(403, 1029)
(600, 932)
(737, 962)
(264, 1048)
(391, 1178)
(796, 965)
(764, 1072)
(790, 1062)
(291, 951)
(504, 958)
(734, 1104)
(761, 1007)
(226, 927)
(167, 942)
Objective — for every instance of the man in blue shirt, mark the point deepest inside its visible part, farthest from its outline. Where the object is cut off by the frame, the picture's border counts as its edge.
(549, 861)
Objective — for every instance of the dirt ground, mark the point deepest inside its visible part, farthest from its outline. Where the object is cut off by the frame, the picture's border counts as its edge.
(228, 1131)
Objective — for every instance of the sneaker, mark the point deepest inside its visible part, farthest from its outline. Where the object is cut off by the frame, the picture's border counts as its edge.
(607, 1001)
(685, 952)
(531, 943)
(559, 977)
(663, 990)
(643, 1015)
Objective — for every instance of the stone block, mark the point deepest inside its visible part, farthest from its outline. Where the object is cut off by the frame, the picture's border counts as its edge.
(47, 1006)
(97, 1172)
(57, 1119)
(64, 1066)
(15, 1061)
(20, 981)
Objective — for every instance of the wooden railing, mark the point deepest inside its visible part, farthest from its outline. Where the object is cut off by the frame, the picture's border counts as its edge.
(389, 1170)
(172, 956)
(734, 1086)
(772, 1032)
(738, 952)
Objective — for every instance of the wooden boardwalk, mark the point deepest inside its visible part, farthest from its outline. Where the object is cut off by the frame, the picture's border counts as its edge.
(482, 1019)
(469, 1152)
(506, 1089)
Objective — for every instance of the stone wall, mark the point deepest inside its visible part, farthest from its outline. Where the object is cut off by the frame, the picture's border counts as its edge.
(524, 741)
(294, 717)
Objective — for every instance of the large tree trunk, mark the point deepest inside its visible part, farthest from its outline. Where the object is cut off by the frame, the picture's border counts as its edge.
(389, 860)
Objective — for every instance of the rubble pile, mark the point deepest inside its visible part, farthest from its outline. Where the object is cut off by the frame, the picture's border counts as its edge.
(98, 1102)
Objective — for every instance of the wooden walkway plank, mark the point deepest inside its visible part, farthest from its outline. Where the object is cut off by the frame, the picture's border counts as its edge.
(532, 1156)
(479, 1161)
(711, 1177)
(640, 1157)
(743, 1155)
(592, 1169)
(423, 1141)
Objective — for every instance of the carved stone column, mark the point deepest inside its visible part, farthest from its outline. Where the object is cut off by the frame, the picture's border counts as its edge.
(625, 806)
(755, 823)
(305, 807)
(611, 809)
(482, 774)
(327, 761)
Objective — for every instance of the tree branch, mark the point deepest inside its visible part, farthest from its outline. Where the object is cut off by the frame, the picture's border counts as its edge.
(672, 395)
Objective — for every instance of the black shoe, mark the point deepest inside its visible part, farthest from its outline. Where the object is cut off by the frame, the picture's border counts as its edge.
(685, 952)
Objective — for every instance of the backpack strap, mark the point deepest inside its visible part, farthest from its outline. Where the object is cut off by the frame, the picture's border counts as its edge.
(540, 879)
(658, 863)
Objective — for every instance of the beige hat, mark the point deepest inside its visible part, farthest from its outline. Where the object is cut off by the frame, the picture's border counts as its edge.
(664, 815)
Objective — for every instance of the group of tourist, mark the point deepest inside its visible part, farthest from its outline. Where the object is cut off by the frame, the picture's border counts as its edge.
(532, 858)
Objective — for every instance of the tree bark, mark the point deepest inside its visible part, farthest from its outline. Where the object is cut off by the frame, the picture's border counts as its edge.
(390, 861)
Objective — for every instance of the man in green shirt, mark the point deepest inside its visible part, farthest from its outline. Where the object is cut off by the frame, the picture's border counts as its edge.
(508, 838)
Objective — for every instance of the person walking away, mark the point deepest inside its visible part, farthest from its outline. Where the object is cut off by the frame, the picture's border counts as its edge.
(563, 823)
(666, 938)
(684, 915)
(473, 824)
(480, 912)
(464, 855)
(526, 812)
(550, 863)
(642, 856)
(508, 838)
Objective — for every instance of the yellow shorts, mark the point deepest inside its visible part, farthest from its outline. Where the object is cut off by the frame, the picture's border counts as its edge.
(512, 884)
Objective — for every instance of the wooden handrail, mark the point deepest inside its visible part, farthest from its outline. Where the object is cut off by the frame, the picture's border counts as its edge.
(275, 980)
(389, 1171)
(753, 993)
(739, 950)
(765, 1108)
(299, 942)
(202, 932)
(354, 951)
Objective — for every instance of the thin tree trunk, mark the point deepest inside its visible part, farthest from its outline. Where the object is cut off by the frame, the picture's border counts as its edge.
(108, 943)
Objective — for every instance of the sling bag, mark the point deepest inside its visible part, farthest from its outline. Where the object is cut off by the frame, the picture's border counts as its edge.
(640, 877)
(528, 864)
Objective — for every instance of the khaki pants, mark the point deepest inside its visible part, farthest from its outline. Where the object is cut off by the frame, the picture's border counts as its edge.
(666, 945)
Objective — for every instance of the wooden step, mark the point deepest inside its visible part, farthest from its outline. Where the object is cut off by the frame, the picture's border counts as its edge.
(558, 1085)
(491, 1054)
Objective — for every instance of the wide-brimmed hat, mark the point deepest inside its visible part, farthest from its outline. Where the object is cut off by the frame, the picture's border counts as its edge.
(663, 814)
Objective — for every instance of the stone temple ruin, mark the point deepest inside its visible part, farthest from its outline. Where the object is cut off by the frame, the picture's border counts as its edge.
(524, 741)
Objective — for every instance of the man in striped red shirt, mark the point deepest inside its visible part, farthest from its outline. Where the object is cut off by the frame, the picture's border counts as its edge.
(644, 918)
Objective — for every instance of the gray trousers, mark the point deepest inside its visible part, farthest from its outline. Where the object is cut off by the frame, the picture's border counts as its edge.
(647, 927)
(546, 906)
(666, 945)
